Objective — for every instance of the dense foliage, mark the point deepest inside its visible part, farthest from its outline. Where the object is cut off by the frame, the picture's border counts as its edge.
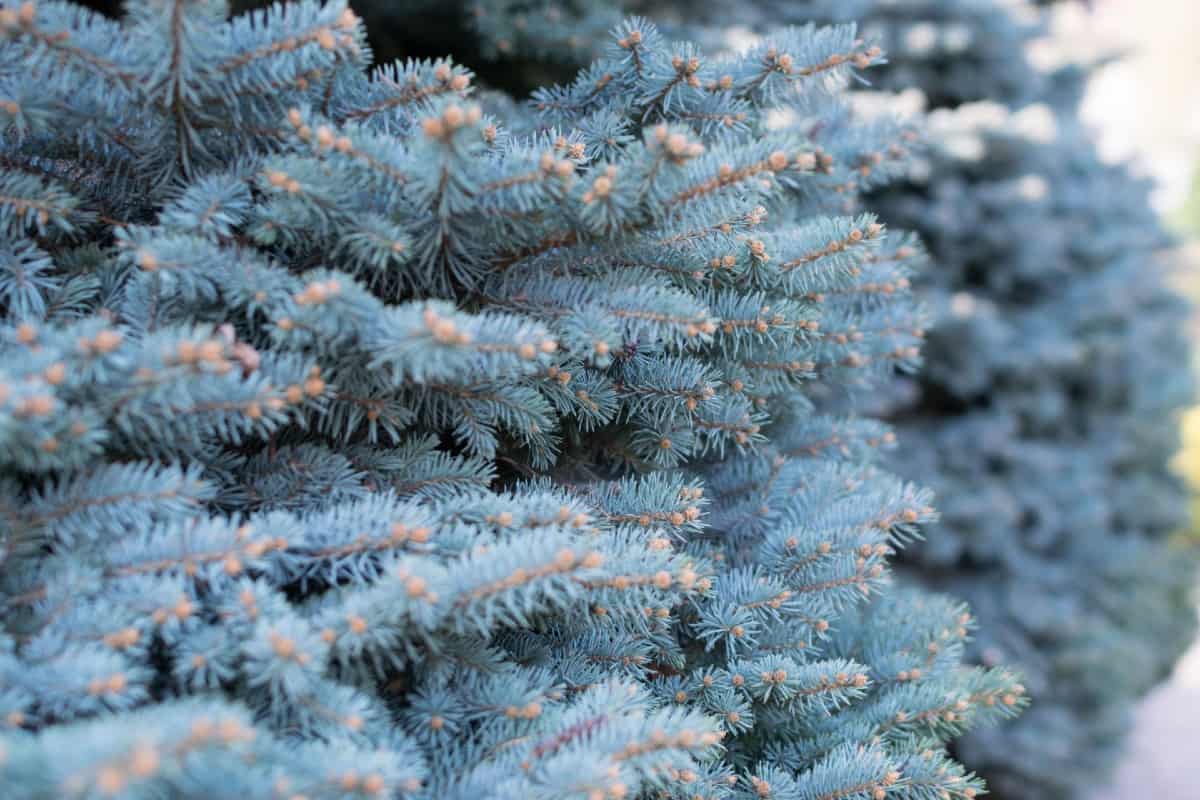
(362, 435)
(1046, 414)
(1047, 411)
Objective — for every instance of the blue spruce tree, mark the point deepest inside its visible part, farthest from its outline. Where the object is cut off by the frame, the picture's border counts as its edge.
(366, 435)
(1046, 413)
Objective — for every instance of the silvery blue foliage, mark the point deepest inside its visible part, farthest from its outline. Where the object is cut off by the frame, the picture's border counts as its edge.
(360, 439)
(1044, 416)
(1046, 413)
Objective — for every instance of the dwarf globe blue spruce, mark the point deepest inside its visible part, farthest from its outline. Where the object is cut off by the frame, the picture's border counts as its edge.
(1053, 461)
(1046, 413)
(364, 435)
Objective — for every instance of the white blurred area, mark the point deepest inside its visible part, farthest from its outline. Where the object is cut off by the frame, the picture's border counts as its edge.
(1146, 106)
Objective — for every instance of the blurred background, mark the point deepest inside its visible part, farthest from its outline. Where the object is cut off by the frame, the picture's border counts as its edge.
(1146, 107)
